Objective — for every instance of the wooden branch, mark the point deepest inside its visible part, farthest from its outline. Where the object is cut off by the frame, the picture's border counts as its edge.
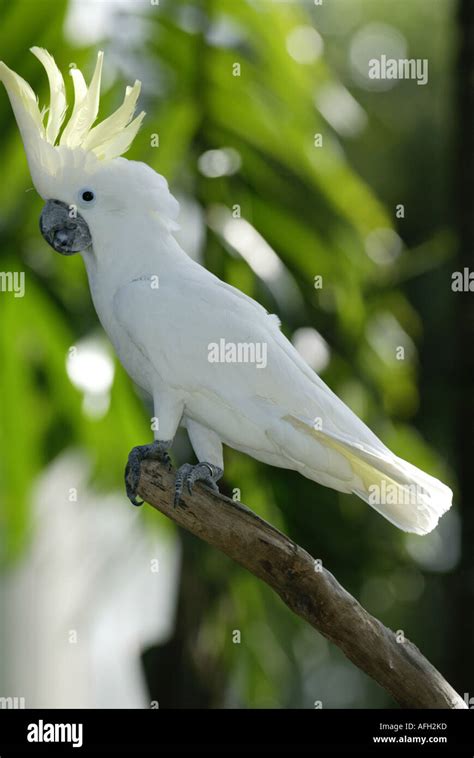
(308, 589)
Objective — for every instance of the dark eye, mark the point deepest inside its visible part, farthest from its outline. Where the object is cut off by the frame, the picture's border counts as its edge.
(86, 196)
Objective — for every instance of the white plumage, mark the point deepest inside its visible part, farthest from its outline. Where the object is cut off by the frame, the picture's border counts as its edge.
(162, 311)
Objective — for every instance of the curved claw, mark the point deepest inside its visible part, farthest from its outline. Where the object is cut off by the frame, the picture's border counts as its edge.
(157, 450)
(187, 475)
(132, 477)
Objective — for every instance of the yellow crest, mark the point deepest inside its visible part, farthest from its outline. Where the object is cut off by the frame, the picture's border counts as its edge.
(46, 150)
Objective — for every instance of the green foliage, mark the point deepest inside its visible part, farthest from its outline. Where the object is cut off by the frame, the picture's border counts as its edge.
(41, 410)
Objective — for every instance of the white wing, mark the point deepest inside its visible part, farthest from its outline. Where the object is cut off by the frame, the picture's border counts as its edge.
(282, 413)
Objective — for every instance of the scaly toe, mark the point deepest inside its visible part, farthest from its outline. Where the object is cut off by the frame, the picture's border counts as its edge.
(188, 475)
(180, 480)
(157, 450)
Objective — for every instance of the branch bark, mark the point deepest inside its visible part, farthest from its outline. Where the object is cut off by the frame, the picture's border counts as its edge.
(308, 590)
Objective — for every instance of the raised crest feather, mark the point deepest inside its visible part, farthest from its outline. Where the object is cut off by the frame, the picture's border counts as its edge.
(40, 130)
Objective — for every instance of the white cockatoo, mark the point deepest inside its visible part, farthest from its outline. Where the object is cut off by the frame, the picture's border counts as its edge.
(211, 358)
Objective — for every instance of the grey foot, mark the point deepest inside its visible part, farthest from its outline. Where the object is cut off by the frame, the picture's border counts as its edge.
(157, 451)
(187, 475)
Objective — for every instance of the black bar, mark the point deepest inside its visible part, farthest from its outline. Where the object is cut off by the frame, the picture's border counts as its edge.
(142, 732)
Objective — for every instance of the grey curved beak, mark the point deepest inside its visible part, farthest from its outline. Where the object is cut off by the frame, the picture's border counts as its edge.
(65, 231)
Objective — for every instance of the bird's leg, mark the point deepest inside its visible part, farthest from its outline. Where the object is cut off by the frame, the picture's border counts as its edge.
(157, 451)
(168, 408)
(208, 447)
(187, 475)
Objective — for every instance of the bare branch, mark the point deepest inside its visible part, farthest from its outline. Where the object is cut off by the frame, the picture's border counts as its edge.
(308, 589)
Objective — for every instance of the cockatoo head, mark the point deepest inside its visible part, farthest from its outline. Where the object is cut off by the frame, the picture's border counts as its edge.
(77, 169)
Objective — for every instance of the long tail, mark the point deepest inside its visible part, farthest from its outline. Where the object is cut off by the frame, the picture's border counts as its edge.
(403, 494)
